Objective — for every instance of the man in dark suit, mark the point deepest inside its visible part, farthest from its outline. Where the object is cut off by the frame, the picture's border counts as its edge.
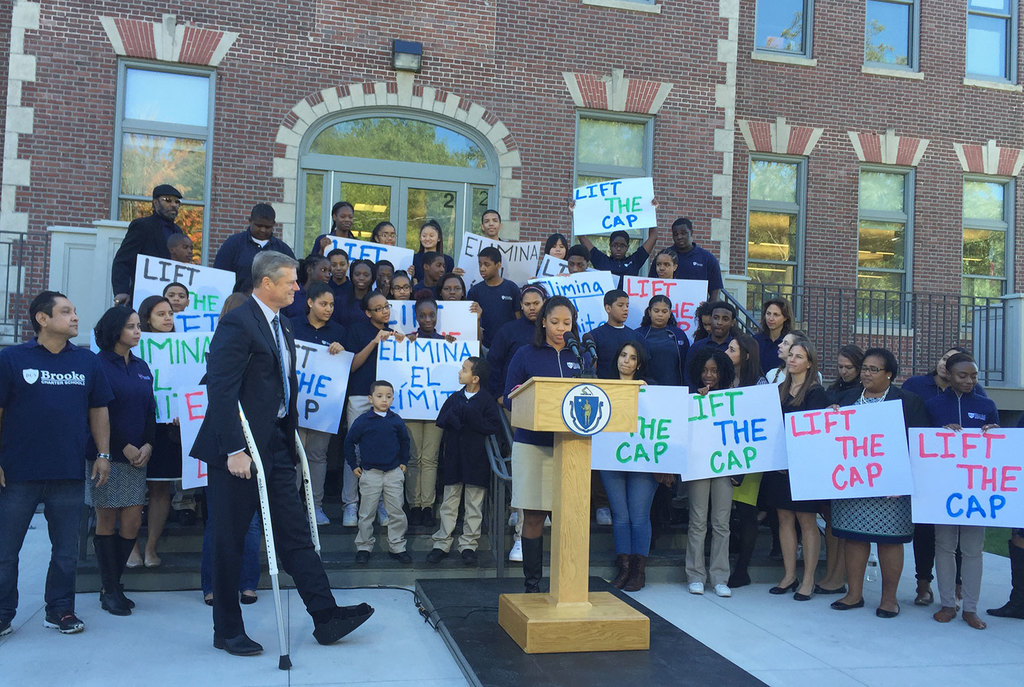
(252, 361)
(146, 236)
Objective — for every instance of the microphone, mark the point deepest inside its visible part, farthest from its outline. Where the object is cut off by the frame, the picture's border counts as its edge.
(591, 348)
(573, 344)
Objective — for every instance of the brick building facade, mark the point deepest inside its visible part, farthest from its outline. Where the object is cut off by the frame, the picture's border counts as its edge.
(694, 93)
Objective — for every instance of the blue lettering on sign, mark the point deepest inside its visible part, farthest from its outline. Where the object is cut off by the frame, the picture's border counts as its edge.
(974, 506)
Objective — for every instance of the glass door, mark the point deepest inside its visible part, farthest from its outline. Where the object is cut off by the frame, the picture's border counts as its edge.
(441, 201)
(374, 200)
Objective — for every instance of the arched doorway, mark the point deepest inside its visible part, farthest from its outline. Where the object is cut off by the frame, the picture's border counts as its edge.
(399, 165)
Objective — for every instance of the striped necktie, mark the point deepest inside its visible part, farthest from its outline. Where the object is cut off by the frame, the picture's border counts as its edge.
(282, 351)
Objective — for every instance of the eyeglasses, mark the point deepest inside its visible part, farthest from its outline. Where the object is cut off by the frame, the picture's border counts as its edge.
(872, 370)
(388, 234)
(381, 308)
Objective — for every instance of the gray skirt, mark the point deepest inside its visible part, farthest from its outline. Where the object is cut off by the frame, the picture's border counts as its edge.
(882, 520)
(125, 487)
(532, 469)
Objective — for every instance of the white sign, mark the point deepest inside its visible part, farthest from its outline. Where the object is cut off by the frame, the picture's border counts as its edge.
(178, 361)
(191, 411)
(660, 442)
(734, 432)
(195, 321)
(518, 260)
(552, 267)
(852, 452)
(424, 373)
(685, 294)
(453, 317)
(323, 380)
(609, 206)
(400, 257)
(207, 286)
(586, 291)
(968, 477)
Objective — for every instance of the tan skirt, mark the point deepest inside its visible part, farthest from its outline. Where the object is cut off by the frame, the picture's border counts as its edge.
(532, 468)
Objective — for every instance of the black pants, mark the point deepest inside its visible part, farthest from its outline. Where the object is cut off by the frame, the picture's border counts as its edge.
(232, 502)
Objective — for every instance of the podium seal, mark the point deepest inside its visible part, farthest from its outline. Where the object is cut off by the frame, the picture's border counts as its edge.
(586, 409)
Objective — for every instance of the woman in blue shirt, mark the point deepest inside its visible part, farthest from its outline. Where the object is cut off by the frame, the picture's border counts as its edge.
(533, 452)
(431, 241)
(132, 433)
(776, 321)
(665, 343)
(960, 407)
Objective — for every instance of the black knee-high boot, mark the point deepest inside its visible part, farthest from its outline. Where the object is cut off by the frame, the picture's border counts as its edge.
(747, 540)
(1014, 608)
(107, 562)
(533, 563)
(124, 551)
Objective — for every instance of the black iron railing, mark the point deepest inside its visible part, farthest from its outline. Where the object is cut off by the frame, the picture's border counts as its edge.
(917, 327)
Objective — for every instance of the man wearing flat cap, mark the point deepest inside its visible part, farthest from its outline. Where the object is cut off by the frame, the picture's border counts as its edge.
(145, 236)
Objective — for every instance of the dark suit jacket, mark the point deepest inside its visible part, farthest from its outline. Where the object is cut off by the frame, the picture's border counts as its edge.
(243, 365)
(914, 412)
(146, 236)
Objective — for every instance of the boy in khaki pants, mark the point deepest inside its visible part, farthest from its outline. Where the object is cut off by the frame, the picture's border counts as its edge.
(383, 443)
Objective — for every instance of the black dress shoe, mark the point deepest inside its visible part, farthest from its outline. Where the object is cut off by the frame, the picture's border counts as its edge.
(237, 646)
(797, 596)
(469, 557)
(818, 589)
(402, 557)
(788, 588)
(840, 606)
(882, 613)
(362, 557)
(345, 619)
(247, 598)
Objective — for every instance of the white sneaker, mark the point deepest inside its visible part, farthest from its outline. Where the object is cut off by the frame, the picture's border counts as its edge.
(723, 591)
(604, 516)
(382, 515)
(513, 519)
(696, 588)
(351, 516)
(516, 554)
(321, 517)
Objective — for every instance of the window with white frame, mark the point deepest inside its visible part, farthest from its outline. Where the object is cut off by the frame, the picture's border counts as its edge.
(891, 31)
(613, 146)
(163, 135)
(992, 39)
(987, 222)
(885, 210)
(775, 220)
(784, 26)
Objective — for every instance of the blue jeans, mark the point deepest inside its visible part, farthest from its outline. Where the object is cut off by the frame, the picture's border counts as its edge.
(63, 501)
(630, 495)
(250, 577)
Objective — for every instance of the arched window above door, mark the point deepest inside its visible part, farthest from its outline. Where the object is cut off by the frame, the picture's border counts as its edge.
(399, 139)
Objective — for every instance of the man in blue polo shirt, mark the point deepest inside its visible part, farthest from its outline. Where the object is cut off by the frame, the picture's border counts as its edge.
(41, 379)
(693, 261)
(723, 323)
(238, 250)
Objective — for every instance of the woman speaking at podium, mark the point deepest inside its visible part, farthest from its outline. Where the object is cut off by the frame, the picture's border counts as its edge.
(533, 452)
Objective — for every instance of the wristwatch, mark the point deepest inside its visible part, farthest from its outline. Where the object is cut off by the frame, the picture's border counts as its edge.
(104, 455)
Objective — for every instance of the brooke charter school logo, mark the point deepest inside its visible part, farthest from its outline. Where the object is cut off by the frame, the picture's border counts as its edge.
(586, 409)
(59, 379)
(30, 376)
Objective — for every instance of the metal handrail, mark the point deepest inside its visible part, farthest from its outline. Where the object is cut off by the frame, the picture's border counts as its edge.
(746, 319)
(501, 475)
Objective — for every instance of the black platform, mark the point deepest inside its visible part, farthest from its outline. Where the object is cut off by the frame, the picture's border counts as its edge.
(466, 614)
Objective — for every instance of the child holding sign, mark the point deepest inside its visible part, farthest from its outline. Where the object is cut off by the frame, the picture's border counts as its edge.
(383, 444)
(468, 417)
(957, 408)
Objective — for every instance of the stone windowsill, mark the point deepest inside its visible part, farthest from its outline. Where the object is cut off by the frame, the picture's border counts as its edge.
(779, 58)
(625, 5)
(994, 85)
(898, 73)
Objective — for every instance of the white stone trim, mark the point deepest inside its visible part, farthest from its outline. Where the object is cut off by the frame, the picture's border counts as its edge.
(19, 119)
(625, 5)
(795, 60)
(898, 73)
(113, 35)
(725, 100)
(994, 85)
(286, 168)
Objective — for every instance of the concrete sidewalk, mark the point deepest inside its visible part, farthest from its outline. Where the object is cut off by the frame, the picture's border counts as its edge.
(168, 639)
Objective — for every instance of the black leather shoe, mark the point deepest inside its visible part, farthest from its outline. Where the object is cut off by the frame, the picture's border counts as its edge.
(469, 557)
(788, 588)
(362, 557)
(882, 613)
(238, 646)
(346, 619)
(818, 589)
(402, 557)
(840, 606)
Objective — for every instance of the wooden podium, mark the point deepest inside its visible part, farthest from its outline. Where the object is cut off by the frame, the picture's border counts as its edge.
(571, 619)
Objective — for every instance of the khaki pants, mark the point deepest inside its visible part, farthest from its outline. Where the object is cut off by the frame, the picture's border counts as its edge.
(421, 478)
(316, 444)
(450, 513)
(372, 485)
(972, 541)
(719, 491)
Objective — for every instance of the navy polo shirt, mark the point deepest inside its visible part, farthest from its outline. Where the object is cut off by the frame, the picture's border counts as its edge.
(499, 305)
(133, 409)
(697, 264)
(237, 253)
(359, 334)
(46, 399)
(417, 264)
(332, 332)
(629, 265)
(608, 339)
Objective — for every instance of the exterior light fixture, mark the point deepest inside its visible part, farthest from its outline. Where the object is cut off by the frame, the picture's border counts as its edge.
(406, 56)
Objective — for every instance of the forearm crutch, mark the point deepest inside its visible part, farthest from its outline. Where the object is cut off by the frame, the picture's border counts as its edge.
(268, 533)
(307, 490)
